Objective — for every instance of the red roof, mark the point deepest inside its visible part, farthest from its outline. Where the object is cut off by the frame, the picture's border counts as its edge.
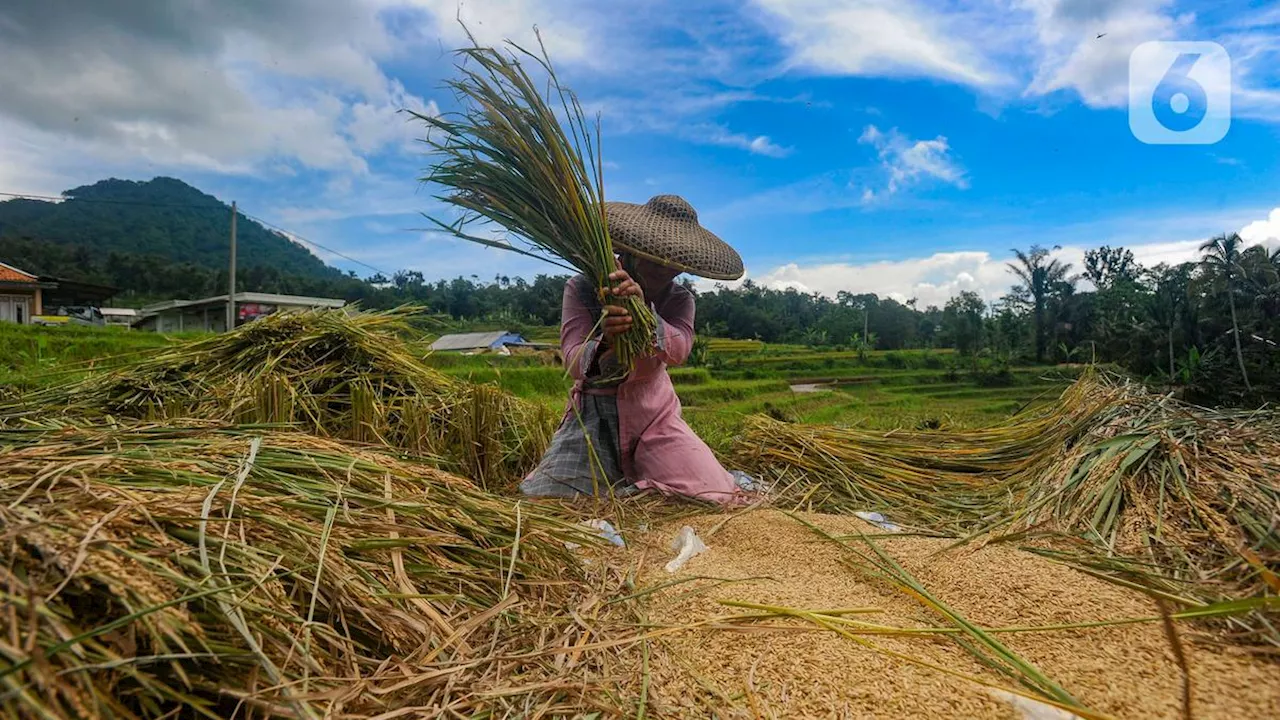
(8, 273)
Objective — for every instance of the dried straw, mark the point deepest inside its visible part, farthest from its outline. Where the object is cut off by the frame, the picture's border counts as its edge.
(212, 572)
(335, 374)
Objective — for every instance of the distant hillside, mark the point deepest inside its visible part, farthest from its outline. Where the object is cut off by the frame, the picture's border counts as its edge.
(163, 218)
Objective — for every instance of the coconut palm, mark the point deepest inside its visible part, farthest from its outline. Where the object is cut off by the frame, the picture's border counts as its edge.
(1167, 303)
(1222, 257)
(1041, 277)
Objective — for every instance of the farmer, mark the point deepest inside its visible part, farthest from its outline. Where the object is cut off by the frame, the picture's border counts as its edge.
(638, 440)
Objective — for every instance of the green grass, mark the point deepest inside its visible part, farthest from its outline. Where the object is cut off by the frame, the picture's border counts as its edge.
(451, 360)
(526, 382)
(34, 355)
(718, 392)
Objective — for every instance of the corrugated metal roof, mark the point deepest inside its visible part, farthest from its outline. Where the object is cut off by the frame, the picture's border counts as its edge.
(247, 297)
(470, 341)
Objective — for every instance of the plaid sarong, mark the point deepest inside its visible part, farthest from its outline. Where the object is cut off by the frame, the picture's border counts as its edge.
(569, 466)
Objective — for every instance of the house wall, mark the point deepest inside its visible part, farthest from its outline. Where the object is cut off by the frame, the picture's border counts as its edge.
(188, 320)
(19, 304)
(206, 318)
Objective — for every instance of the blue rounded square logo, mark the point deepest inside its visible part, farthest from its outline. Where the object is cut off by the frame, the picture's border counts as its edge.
(1179, 93)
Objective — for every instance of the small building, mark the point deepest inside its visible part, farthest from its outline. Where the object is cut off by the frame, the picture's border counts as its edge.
(74, 294)
(476, 342)
(121, 317)
(210, 314)
(21, 294)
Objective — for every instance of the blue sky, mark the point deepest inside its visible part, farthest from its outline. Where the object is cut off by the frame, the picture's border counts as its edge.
(900, 147)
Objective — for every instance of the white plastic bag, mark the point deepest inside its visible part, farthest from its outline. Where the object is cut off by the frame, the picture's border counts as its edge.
(686, 544)
(606, 530)
(878, 520)
(1033, 709)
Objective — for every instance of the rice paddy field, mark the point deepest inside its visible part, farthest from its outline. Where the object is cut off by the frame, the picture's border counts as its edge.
(315, 517)
(877, 390)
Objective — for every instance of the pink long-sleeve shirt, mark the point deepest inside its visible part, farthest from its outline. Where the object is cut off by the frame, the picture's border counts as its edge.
(659, 450)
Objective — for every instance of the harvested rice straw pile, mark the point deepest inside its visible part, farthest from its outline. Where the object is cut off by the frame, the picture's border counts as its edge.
(742, 669)
(162, 571)
(1130, 484)
(947, 481)
(335, 374)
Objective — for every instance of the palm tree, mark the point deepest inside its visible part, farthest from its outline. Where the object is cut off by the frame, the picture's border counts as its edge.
(1041, 277)
(1166, 304)
(1222, 256)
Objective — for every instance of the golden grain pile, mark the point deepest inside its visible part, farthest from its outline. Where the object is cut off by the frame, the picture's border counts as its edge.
(335, 374)
(214, 572)
(738, 645)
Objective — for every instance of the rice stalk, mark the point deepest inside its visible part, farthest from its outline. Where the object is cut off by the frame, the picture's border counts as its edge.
(157, 570)
(507, 158)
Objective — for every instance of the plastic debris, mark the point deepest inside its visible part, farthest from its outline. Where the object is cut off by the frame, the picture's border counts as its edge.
(686, 544)
(878, 520)
(1033, 709)
(746, 483)
(606, 530)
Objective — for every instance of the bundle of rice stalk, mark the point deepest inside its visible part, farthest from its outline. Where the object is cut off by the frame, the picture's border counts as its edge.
(507, 159)
(189, 572)
(345, 375)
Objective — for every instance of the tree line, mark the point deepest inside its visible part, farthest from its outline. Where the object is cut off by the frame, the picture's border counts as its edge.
(1211, 325)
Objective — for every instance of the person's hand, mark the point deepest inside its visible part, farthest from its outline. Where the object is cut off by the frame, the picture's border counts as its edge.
(616, 322)
(625, 286)
(616, 318)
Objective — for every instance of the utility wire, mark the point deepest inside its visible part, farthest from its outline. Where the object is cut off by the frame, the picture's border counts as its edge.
(220, 206)
(313, 243)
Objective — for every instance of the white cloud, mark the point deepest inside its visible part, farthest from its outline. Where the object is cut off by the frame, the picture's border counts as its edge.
(1263, 232)
(908, 162)
(880, 37)
(1084, 47)
(758, 145)
(378, 124)
(269, 86)
(1073, 57)
(680, 111)
(1044, 47)
(930, 279)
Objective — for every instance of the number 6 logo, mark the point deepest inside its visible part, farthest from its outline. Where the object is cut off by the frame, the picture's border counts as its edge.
(1179, 93)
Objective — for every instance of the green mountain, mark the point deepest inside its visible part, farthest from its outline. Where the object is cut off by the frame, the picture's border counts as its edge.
(163, 218)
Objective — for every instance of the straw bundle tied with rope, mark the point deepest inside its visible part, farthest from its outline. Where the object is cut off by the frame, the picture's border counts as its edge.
(218, 572)
(336, 374)
(508, 159)
(1130, 485)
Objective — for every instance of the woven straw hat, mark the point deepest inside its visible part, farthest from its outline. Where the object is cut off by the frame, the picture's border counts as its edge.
(666, 231)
